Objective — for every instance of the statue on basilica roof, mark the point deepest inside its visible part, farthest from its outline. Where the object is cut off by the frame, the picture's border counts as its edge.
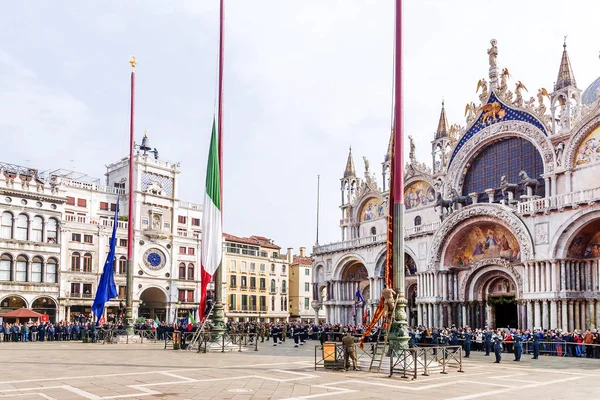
(412, 155)
(367, 164)
(493, 53)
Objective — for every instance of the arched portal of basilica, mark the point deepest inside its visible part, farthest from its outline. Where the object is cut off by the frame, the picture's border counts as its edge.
(501, 230)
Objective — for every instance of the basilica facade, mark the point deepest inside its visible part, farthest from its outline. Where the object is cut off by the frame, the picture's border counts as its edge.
(502, 230)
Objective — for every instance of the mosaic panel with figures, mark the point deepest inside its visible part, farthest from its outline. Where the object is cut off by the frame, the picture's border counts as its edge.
(419, 193)
(373, 208)
(589, 149)
(482, 240)
(157, 184)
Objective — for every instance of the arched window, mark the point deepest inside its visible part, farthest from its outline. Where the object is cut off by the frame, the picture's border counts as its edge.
(373, 231)
(272, 285)
(5, 267)
(37, 229)
(22, 222)
(505, 158)
(51, 270)
(87, 262)
(182, 271)
(282, 305)
(76, 262)
(272, 303)
(417, 220)
(36, 269)
(122, 265)
(190, 272)
(21, 269)
(6, 225)
(52, 231)
(283, 286)
(283, 269)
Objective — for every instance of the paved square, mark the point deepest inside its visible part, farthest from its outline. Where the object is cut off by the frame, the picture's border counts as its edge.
(146, 371)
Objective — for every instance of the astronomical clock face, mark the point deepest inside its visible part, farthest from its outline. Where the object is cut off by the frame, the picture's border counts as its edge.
(154, 259)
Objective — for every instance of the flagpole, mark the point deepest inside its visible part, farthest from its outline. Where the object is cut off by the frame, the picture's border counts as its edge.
(399, 332)
(218, 314)
(130, 220)
(318, 194)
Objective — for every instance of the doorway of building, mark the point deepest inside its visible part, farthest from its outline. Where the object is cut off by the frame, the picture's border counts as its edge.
(505, 311)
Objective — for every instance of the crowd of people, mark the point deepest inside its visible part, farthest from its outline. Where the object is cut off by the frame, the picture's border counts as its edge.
(578, 343)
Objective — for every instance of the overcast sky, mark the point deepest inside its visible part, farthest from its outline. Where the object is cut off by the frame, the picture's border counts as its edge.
(304, 80)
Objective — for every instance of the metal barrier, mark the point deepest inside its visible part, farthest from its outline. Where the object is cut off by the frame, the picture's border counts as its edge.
(222, 343)
(411, 360)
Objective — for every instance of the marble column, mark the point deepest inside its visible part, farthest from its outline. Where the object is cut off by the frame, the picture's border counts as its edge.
(590, 317)
(554, 270)
(529, 314)
(419, 314)
(455, 286)
(597, 314)
(553, 315)
(548, 270)
(537, 315)
(544, 323)
(577, 276)
(436, 316)
(577, 319)
(563, 276)
(553, 185)
(564, 316)
(582, 315)
(571, 315)
(444, 286)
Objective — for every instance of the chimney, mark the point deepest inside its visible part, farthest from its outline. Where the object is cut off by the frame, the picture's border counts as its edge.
(290, 255)
(302, 251)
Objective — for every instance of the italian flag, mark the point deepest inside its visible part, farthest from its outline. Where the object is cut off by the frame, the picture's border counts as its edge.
(212, 231)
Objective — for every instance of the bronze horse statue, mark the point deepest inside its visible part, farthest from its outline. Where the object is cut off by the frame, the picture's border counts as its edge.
(445, 204)
(526, 181)
(458, 199)
(508, 187)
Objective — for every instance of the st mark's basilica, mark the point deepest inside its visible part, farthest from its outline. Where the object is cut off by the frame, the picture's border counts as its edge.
(502, 230)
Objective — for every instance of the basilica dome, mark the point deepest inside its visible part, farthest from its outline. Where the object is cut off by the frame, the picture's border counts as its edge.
(590, 94)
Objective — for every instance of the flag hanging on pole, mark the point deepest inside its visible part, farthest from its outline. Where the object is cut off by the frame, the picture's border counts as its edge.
(212, 230)
(388, 268)
(106, 287)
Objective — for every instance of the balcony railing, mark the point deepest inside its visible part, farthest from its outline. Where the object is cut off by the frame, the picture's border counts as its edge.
(80, 295)
(91, 186)
(374, 239)
(232, 286)
(191, 206)
(243, 287)
(421, 229)
(82, 219)
(559, 202)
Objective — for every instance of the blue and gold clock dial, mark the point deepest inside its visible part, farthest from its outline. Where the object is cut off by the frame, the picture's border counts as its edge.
(154, 259)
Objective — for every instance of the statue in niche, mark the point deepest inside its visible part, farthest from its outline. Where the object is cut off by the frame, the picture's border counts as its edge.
(156, 225)
(367, 164)
(559, 153)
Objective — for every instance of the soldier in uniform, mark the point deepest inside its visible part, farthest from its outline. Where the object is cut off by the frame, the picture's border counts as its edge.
(487, 337)
(349, 351)
(497, 347)
(536, 344)
(518, 345)
(467, 344)
(283, 333)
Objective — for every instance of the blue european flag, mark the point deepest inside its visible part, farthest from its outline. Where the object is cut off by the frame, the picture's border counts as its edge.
(106, 288)
(359, 297)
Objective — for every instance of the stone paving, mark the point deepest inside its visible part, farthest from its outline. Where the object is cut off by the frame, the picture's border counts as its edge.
(71, 370)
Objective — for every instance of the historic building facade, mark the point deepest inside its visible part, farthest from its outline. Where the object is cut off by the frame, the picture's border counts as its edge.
(257, 279)
(55, 236)
(503, 230)
(301, 289)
